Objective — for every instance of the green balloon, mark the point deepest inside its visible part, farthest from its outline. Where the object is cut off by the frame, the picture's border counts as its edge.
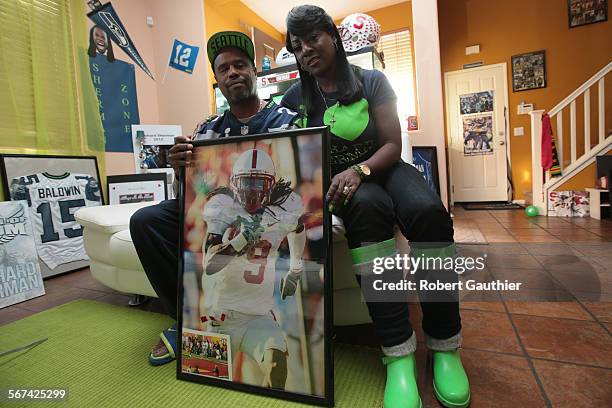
(532, 211)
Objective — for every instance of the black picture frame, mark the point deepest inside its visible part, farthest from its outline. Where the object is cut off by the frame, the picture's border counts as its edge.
(525, 67)
(425, 159)
(187, 198)
(589, 16)
(137, 180)
(19, 165)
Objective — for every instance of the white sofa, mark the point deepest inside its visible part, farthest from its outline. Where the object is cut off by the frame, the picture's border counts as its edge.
(108, 244)
(114, 261)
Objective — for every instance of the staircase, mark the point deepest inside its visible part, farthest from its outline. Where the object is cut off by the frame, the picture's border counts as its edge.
(571, 163)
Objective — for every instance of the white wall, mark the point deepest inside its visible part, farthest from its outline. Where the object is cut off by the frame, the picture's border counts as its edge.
(429, 85)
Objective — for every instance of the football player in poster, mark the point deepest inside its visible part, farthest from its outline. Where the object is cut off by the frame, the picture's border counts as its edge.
(246, 224)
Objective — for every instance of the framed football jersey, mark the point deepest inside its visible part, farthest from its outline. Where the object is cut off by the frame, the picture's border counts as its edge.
(255, 309)
(54, 187)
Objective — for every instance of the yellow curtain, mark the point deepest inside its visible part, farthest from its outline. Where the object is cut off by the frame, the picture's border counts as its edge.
(47, 103)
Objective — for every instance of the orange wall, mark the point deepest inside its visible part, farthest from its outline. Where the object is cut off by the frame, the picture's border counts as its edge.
(504, 28)
(224, 15)
(578, 181)
(391, 18)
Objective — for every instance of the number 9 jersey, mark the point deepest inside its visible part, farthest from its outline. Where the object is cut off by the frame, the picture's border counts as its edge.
(246, 283)
(53, 200)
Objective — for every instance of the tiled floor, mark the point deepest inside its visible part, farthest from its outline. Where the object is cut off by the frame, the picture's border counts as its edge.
(551, 349)
(65, 288)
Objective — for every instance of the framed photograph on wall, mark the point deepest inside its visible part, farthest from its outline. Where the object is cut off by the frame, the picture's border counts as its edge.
(54, 187)
(583, 12)
(136, 188)
(255, 309)
(425, 159)
(529, 71)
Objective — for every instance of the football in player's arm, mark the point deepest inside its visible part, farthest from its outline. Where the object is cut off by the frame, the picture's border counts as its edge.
(243, 237)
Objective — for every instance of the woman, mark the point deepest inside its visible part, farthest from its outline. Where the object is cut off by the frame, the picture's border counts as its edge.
(372, 190)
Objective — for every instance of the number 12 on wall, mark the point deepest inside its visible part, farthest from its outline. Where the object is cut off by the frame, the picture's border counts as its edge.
(183, 56)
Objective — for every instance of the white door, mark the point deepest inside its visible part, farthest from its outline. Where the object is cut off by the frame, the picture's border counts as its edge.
(476, 100)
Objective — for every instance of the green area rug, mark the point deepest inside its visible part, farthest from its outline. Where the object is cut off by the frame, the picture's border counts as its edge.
(99, 352)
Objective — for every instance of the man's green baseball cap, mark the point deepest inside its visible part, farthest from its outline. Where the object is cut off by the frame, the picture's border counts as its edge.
(224, 39)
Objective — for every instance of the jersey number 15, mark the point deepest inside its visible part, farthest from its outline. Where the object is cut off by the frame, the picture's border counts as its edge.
(49, 234)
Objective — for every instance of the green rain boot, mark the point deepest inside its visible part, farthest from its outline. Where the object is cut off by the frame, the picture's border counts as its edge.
(450, 381)
(401, 390)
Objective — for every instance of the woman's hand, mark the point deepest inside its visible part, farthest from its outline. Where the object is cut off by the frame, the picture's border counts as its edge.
(342, 188)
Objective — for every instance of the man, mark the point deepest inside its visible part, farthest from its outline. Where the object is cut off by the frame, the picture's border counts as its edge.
(154, 229)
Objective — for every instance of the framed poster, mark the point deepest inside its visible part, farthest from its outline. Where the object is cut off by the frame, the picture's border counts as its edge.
(568, 204)
(477, 135)
(477, 102)
(581, 204)
(55, 187)
(425, 159)
(583, 12)
(20, 277)
(136, 188)
(560, 203)
(151, 146)
(255, 304)
(529, 71)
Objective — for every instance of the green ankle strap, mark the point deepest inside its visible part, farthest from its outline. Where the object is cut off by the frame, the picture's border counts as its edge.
(368, 253)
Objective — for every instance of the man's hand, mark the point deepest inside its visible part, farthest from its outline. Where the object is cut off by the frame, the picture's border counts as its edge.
(180, 154)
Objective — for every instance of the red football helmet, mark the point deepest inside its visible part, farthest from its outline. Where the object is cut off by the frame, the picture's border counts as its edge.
(252, 180)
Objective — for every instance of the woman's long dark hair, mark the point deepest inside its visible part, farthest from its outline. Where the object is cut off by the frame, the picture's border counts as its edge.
(92, 50)
(302, 20)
